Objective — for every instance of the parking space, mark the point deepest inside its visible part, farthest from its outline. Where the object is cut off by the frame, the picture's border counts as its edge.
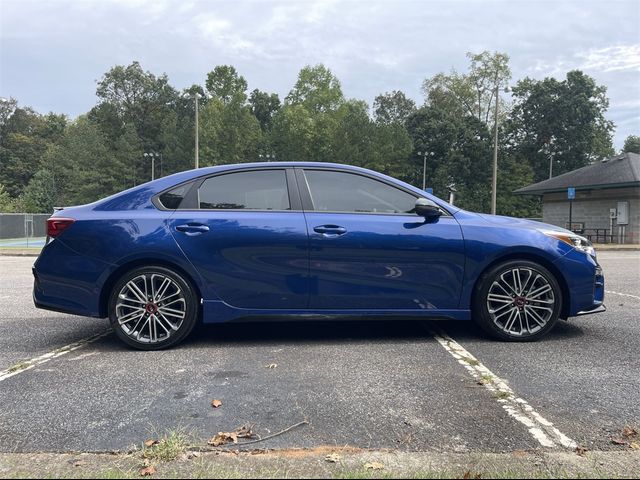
(364, 384)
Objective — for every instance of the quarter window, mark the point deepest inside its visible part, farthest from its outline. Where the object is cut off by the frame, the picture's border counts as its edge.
(348, 192)
(172, 199)
(256, 190)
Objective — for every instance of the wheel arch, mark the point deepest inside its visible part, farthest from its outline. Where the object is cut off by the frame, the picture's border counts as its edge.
(114, 276)
(564, 288)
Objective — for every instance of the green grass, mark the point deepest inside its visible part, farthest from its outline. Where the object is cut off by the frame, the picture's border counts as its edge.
(169, 447)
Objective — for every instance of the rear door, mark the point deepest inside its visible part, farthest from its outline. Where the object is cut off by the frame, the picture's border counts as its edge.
(368, 251)
(245, 233)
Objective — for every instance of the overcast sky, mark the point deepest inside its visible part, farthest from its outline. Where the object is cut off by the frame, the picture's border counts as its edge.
(53, 52)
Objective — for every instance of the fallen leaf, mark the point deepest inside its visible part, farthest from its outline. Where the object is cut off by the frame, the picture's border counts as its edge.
(150, 443)
(467, 475)
(374, 466)
(333, 458)
(629, 432)
(223, 438)
(634, 446)
(147, 471)
(581, 451)
(244, 432)
(216, 403)
(79, 463)
(271, 366)
(616, 441)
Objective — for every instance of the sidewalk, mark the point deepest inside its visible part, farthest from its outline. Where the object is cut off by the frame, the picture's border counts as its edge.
(601, 247)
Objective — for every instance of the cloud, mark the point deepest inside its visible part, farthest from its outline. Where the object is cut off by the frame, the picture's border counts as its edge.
(611, 59)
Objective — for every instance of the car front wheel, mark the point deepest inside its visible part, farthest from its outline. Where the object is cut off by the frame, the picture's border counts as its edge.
(517, 301)
(151, 308)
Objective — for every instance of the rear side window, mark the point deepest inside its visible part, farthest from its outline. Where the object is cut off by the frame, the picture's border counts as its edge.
(256, 190)
(171, 200)
(349, 192)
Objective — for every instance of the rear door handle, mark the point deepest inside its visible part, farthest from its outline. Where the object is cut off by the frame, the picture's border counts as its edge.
(330, 230)
(192, 228)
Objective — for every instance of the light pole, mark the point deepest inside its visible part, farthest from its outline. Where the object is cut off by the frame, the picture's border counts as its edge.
(424, 167)
(196, 96)
(153, 157)
(494, 178)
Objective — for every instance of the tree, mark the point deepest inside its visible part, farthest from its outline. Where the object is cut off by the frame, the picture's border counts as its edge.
(24, 139)
(560, 121)
(7, 107)
(632, 144)
(7, 205)
(264, 106)
(225, 84)
(472, 93)
(40, 194)
(317, 89)
(459, 151)
(131, 95)
(393, 107)
(229, 133)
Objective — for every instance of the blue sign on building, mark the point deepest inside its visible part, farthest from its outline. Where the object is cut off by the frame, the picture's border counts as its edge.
(571, 193)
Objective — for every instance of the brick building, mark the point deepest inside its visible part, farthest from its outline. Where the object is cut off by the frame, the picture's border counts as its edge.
(606, 207)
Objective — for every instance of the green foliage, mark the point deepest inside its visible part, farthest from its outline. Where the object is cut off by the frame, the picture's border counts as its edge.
(46, 160)
(229, 133)
(317, 89)
(560, 120)
(632, 144)
(393, 107)
(7, 205)
(40, 196)
(264, 106)
(225, 84)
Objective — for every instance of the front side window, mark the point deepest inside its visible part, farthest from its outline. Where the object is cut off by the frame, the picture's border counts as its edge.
(349, 192)
(256, 190)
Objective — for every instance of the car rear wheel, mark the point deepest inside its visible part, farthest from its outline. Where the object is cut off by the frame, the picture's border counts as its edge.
(517, 301)
(152, 308)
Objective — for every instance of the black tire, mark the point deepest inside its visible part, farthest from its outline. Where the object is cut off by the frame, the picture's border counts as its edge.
(494, 313)
(165, 328)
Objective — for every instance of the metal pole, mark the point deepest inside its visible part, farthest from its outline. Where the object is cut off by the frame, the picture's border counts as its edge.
(550, 165)
(153, 167)
(197, 160)
(424, 171)
(570, 215)
(494, 181)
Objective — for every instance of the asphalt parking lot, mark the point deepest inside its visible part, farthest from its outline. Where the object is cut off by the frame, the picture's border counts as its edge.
(385, 384)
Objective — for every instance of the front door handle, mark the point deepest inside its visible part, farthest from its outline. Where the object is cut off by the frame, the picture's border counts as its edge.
(192, 228)
(330, 230)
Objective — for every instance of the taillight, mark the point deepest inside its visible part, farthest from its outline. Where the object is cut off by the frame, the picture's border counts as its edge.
(57, 225)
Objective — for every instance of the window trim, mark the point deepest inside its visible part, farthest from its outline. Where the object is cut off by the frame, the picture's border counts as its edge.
(190, 201)
(307, 199)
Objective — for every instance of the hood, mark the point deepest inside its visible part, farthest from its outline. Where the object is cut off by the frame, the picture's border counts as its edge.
(520, 223)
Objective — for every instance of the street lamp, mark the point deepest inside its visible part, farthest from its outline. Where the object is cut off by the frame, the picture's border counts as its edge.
(424, 166)
(153, 157)
(268, 156)
(195, 96)
(494, 179)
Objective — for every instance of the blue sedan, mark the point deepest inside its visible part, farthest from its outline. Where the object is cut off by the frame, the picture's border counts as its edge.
(276, 241)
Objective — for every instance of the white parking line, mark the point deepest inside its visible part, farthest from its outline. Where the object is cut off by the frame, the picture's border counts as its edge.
(623, 294)
(540, 428)
(34, 362)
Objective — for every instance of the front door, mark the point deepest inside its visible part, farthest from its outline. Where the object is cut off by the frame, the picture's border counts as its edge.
(367, 251)
(247, 240)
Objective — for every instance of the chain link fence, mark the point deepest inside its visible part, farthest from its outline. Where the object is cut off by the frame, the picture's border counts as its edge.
(23, 229)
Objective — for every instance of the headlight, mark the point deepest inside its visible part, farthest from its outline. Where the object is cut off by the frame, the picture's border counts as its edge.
(576, 241)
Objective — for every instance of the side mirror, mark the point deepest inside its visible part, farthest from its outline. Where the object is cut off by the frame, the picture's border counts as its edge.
(427, 209)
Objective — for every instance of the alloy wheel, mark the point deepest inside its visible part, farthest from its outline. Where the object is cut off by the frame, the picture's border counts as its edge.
(521, 301)
(150, 308)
